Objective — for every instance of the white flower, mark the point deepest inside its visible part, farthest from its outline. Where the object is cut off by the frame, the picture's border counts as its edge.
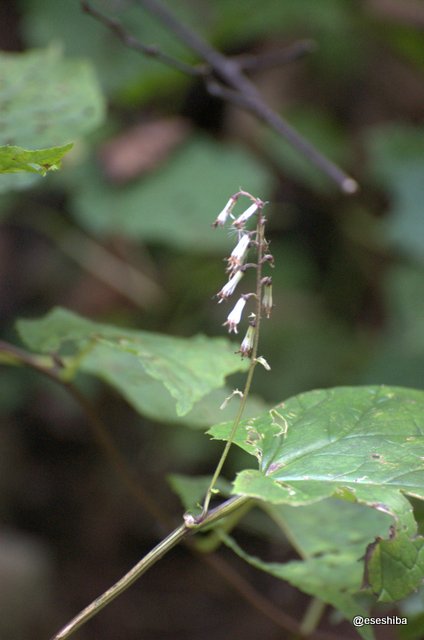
(228, 288)
(267, 297)
(239, 252)
(239, 222)
(246, 346)
(222, 217)
(235, 316)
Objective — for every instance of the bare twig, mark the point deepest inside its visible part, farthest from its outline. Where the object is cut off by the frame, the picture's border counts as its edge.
(276, 57)
(244, 93)
(132, 43)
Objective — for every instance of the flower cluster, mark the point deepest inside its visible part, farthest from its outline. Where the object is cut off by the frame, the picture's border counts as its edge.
(237, 266)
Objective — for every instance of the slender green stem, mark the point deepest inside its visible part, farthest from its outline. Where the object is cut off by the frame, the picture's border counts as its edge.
(312, 616)
(127, 580)
(168, 543)
(253, 362)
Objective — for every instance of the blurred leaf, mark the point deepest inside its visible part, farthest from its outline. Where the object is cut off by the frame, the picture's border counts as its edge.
(398, 356)
(359, 443)
(186, 368)
(406, 40)
(177, 204)
(395, 567)
(14, 159)
(45, 101)
(395, 159)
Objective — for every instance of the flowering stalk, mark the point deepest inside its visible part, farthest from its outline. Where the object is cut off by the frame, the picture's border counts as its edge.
(263, 303)
(248, 349)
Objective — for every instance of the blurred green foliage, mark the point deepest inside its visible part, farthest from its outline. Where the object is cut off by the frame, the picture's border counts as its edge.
(348, 282)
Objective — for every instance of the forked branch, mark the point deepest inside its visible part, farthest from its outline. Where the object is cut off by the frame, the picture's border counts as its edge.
(223, 77)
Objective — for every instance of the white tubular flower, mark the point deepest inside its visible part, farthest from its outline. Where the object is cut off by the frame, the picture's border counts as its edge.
(228, 288)
(222, 218)
(239, 222)
(235, 316)
(239, 252)
(267, 297)
(246, 346)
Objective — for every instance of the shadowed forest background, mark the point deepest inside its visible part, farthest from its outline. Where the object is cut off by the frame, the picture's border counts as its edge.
(122, 234)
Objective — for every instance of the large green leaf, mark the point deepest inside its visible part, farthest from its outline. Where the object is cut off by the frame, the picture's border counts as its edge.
(185, 368)
(177, 203)
(359, 443)
(45, 101)
(15, 159)
(338, 572)
(331, 537)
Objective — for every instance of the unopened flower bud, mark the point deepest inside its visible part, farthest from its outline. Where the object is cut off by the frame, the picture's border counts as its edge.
(246, 346)
(235, 316)
(244, 217)
(222, 217)
(229, 287)
(239, 252)
(268, 258)
(267, 297)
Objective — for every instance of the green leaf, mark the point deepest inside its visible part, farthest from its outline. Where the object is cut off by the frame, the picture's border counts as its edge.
(128, 360)
(359, 443)
(395, 567)
(176, 204)
(330, 526)
(14, 159)
(334, 578)
(332, 537)
(45, 101)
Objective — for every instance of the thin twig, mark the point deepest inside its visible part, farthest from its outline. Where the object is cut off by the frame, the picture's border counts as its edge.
(229, 71)
(276, 57)
(132, 43)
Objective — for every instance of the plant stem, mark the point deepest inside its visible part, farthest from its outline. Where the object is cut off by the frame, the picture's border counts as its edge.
(312, 616)
(144, 564)
(260, 242)
(127, 580)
